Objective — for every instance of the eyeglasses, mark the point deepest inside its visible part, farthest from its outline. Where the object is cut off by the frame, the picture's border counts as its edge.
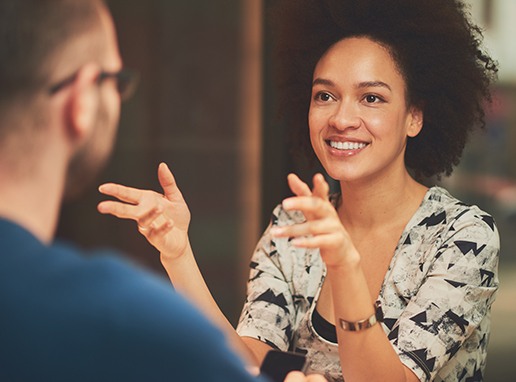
(126, 82)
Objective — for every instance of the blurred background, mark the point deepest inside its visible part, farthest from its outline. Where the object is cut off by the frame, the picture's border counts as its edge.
(205, 105)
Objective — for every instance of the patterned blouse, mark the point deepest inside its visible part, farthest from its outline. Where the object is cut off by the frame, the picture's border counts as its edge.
(436, 295)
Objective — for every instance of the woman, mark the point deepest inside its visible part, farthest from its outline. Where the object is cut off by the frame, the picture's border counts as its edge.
(389, 280)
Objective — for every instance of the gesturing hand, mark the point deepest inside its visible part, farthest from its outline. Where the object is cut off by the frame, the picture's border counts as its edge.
(322, 228)
(162, 218)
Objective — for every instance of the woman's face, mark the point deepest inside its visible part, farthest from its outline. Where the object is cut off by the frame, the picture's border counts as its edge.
(359, 120)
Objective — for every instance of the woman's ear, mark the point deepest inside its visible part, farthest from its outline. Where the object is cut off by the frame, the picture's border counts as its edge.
(83, 101)
(416, 121)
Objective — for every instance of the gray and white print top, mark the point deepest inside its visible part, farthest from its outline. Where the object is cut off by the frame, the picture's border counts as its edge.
(436, 295)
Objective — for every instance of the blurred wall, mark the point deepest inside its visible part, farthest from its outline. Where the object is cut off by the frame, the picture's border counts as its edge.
(188, 112)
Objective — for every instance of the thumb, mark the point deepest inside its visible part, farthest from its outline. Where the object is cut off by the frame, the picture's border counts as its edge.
(167, 180)
(295, 376)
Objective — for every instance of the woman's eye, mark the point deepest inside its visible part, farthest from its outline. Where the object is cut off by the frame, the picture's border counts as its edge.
(371, 98)
(324, 97)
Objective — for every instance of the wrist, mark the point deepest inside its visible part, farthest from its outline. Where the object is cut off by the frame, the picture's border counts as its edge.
(351, 262)
(173, 258)
(369, 322)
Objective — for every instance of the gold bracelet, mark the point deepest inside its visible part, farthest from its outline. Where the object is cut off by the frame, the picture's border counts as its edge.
(363, 324)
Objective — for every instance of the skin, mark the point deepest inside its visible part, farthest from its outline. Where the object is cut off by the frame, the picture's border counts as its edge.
(297, 376)
(359, 104)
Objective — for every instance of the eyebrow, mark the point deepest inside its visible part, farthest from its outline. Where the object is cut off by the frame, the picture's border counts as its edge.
(373, 84)
(361, 85)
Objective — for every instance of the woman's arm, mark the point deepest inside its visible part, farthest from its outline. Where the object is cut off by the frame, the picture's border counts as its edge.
(367, 355)
(164, 220)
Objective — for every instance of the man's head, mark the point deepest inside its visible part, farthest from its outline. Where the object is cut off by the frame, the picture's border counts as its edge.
(57, 60)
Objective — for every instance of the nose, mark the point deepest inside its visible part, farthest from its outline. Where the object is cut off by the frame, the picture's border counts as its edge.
(344, 116)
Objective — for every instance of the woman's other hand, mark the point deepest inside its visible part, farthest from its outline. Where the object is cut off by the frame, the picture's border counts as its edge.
(322, 228)
(162, 218)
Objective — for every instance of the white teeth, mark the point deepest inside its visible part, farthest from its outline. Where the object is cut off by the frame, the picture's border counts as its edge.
(347, 145)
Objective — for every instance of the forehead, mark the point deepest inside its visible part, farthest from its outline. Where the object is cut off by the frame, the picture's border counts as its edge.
(359, 59)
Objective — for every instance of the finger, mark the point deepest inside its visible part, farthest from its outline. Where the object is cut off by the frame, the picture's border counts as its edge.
(118, 209)
(126, 194)
(146, 219)
(290, 230)
(295, 376)
(161, 230)
(321, 187)
(316, 378)
(312, 207)
(253, 370)
(320, 241)
(297, 186)
(315, 227)
(167, 180)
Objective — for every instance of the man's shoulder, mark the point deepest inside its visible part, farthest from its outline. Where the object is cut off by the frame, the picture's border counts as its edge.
(99, 315)
(97, 290)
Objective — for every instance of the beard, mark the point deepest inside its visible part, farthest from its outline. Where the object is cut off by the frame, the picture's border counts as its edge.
(91, 157)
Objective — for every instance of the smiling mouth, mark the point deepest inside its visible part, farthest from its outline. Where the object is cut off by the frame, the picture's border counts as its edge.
(346, 145)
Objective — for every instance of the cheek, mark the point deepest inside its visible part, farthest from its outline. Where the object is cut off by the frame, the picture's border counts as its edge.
(315, 128)
(115, 106)
(385, 125)
(317, 120)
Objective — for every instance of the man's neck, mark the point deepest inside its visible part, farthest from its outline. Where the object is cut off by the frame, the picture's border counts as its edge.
(33, 201)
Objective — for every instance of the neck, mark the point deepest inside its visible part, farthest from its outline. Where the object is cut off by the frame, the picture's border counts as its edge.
(33, 199)
(380, 203)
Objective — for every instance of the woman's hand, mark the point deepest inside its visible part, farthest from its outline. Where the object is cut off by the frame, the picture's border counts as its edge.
(322, 228)
(162, 218)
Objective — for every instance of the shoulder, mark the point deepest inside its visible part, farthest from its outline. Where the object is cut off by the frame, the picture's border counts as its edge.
(448, 229)
(465, 228)
(126, 321)
(97, 291)
(440, 207)
(170, 335)
(122, 287)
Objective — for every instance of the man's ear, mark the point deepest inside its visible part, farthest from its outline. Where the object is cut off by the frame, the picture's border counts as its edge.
(416, 121)
(83, 102)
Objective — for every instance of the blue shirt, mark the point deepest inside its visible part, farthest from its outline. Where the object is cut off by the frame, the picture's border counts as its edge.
(69, 317)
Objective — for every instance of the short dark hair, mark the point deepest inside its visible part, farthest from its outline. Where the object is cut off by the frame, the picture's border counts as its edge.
(436, 47)
(31, 32)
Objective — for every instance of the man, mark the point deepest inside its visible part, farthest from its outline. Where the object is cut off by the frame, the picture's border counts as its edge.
(65, 317)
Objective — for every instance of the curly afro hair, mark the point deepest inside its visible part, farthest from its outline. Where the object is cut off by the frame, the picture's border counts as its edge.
(435, 46)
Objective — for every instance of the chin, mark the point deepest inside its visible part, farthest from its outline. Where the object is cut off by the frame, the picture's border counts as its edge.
(77, 186)
(342, 173)
(82, 174)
